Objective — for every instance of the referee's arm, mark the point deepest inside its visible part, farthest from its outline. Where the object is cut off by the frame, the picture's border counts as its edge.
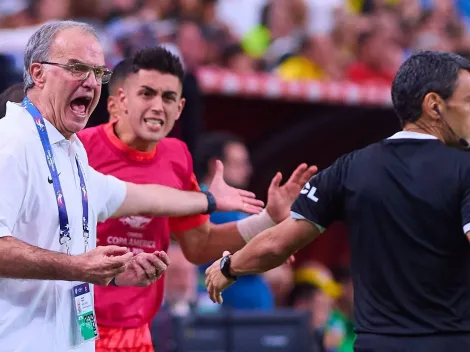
(273, 247)
(318, 205)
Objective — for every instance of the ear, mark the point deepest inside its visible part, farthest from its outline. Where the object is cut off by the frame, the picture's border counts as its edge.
(122, 98)
(112, 107)
(433, 105)
(181, 105)
(37, 72)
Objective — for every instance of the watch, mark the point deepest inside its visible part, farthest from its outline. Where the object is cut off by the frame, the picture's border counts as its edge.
(225, 268)
(211, 203)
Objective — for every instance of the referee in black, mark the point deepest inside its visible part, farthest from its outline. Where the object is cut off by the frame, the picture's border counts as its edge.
(406, 203)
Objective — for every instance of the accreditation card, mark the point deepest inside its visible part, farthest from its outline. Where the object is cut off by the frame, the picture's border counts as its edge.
(86, 318)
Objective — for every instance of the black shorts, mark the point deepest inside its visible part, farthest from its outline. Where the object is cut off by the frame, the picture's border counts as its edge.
(430, 343)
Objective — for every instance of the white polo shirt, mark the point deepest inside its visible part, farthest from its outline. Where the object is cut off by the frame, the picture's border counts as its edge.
(37, 315)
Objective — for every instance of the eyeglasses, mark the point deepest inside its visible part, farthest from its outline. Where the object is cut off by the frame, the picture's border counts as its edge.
(82, 71)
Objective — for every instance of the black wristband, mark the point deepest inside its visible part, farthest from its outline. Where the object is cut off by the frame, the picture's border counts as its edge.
(113, 282)
(225, 268)
(211, 203)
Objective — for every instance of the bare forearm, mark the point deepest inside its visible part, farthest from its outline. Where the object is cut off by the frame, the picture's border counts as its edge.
(207, 243)
(20, 260)
(224, 237)
(157, 200)
(273, 247)
(259, 255)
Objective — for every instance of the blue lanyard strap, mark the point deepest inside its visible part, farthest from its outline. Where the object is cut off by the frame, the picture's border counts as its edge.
(64, 233)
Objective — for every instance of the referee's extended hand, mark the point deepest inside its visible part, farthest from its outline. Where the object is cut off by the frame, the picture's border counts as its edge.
(100, 265)
(280, 198)
(144, 269)
(216, 282)
(229, 198)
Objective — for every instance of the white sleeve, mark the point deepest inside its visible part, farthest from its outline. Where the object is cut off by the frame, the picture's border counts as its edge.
(108, 193)
(12, 193)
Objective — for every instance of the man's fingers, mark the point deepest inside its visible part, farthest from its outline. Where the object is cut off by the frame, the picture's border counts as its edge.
(113, 250)
(150, 271)
(120, 261)
(308, 174)
(250, 209)
(209, 291)
(246, 194)
(219, 170)
(150, 259)
(152, 266)
(213, 293)
(163, 257)
(254, 202)
(139, 270)
(225, 253)
(276, 181)
(297, 174)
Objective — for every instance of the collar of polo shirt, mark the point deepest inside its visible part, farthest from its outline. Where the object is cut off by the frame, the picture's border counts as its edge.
(54, 135)
(411, 135)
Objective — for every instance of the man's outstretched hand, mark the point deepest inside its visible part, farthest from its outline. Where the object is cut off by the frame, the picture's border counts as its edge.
(229, 198)
(280, 198)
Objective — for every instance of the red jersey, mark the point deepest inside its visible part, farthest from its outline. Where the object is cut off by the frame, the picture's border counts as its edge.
(170, 164)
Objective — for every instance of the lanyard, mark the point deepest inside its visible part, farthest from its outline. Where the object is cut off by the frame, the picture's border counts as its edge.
(64, 233)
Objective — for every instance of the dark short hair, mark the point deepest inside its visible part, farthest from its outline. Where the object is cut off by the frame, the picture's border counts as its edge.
(158, 59)
(120, 72)
(14, 93)
(422, 73)
(211, 146)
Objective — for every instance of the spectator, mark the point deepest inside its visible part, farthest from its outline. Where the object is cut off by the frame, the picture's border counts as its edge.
(307, 297)
(236, 60)
(378, 59)
(251, 292)
(302, 66)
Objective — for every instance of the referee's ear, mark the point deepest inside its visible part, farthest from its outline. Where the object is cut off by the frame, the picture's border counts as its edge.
(432, 106)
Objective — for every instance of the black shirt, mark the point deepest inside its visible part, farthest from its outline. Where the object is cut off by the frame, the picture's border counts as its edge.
(406, 203)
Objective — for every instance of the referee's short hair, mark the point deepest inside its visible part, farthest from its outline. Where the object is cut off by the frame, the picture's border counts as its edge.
(422, 73)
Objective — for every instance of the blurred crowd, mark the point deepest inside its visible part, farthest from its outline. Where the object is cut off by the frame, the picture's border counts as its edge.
(359, 40)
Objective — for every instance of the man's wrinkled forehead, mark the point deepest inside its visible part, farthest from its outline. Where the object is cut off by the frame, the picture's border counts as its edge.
(76, 45)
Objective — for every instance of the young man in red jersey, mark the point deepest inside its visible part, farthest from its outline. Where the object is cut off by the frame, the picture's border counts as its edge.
(135, 148)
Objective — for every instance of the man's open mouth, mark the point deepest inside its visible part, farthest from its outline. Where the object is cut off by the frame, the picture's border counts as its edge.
(80, 105)
(152, 121)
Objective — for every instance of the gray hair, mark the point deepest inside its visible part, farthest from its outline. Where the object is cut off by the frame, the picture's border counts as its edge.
(38, 46)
